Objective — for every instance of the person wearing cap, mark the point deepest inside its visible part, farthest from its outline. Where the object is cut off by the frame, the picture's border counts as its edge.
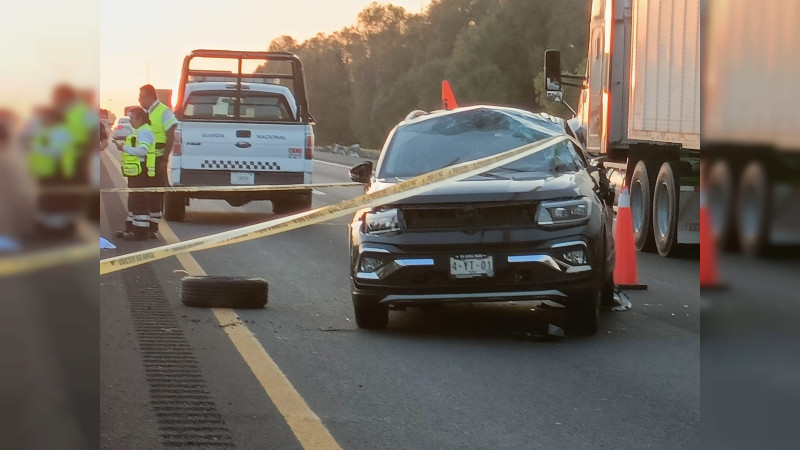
(162, 122)
(138, 165)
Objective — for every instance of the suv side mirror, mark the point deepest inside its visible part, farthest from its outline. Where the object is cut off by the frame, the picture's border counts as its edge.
(362, 172)
(552, 75)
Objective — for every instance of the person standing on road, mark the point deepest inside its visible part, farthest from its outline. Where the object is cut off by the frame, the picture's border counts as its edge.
(139, 166)
(162, 122)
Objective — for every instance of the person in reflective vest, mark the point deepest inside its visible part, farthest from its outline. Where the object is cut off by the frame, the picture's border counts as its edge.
(51, 162)
(138, 165)
(162, 121)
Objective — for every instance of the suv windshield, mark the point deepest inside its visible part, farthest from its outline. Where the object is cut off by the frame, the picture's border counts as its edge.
(454, 138)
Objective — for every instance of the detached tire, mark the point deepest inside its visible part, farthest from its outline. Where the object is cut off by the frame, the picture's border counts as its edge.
(665, 210)
(224, 292)
(641, 208)
(174, 207)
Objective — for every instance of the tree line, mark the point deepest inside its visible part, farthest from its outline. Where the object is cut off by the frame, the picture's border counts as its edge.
(364, 78)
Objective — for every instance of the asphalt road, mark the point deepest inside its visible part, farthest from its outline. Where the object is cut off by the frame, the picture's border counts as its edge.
(466, 376)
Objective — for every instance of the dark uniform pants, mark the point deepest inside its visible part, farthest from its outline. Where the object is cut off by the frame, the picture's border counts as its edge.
(157, 199)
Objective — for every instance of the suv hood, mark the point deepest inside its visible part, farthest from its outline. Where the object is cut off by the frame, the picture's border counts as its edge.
(496, 187)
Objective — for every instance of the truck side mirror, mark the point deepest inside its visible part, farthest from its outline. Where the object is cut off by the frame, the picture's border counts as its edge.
(362, 172)
(552, 75)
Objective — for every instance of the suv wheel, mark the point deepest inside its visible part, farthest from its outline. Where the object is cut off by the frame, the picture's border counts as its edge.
(583, 314)
(370, 316)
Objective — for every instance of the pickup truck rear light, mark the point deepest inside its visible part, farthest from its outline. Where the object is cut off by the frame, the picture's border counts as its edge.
(176, 143)
(309, 146)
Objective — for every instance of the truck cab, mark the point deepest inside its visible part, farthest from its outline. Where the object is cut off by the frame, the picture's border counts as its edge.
(242, 128)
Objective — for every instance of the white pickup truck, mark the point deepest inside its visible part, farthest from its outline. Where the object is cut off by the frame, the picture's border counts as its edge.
(242, 129)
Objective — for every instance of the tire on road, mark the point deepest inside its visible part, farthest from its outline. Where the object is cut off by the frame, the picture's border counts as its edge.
(665, 210)
(641, 207)
(174, 207)
(224, 292)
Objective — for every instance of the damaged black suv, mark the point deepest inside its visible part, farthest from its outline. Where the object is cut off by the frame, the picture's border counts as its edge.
(538, 228)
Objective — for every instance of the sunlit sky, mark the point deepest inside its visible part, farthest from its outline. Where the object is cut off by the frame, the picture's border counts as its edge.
(136, 48)
(131, 57)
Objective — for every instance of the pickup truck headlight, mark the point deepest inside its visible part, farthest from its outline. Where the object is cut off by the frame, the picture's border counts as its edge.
(563, 212)
(383, 221)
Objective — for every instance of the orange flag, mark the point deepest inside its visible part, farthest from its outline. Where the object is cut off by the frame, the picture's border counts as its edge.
(448, 99)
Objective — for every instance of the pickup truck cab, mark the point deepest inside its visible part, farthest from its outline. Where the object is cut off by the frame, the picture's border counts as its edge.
(238, 129)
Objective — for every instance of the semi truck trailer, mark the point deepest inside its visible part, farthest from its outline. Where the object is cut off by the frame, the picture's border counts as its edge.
(639, 111)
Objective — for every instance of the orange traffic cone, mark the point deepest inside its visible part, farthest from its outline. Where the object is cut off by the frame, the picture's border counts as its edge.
(708, 250)
(625, 276)
(448, 98)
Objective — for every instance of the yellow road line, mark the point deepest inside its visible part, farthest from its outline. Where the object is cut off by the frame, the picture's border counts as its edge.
(305, 424)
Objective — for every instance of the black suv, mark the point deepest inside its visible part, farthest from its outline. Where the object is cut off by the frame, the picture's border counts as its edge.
(535, 229)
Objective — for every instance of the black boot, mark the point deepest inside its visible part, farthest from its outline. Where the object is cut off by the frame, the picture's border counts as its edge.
(128, 229)
(138, 234)
(153, 232)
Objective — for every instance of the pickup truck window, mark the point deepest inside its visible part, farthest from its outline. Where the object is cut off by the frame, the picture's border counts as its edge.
(253, 106)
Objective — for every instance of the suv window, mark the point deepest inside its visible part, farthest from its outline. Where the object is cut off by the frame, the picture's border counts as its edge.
(442, 141)
(257, 106)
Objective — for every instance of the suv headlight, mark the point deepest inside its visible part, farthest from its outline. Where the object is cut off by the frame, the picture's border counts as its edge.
(384, 221)
(563, 212)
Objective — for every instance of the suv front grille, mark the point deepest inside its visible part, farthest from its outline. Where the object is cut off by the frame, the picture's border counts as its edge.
(475, 216)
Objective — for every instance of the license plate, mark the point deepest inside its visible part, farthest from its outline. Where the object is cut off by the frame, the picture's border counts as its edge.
(243, 178)
(471, 266)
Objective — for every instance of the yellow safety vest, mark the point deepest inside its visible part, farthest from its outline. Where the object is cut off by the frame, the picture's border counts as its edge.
(46, 158)
(159, 128)
(132, 164)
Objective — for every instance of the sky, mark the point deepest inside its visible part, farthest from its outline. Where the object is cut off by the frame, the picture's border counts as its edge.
(128, 61)
(47, 42)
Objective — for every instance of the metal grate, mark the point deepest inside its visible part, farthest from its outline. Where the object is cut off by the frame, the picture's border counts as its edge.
(186, 414)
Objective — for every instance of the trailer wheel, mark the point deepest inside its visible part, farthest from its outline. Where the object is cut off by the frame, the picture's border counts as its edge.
(665, 210)
(174, 207)
(752, 209)
(720, 194)
(224, 292)
(641, 207)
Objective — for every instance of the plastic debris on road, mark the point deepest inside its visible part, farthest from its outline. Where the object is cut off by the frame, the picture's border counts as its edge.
(105, 244)
(8, 245)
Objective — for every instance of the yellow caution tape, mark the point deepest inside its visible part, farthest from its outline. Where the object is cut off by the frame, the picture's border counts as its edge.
(45, 259)
(247, 188)
(399, 191)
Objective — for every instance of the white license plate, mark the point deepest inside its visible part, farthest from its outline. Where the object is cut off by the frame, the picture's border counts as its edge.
(471, 266)
(243, 178)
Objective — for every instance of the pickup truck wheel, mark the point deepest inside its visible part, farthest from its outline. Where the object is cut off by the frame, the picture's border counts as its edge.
(224, 292)
(286, 206)
(174, 207)
(641, 207)
(665, 210)
(583, 314)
